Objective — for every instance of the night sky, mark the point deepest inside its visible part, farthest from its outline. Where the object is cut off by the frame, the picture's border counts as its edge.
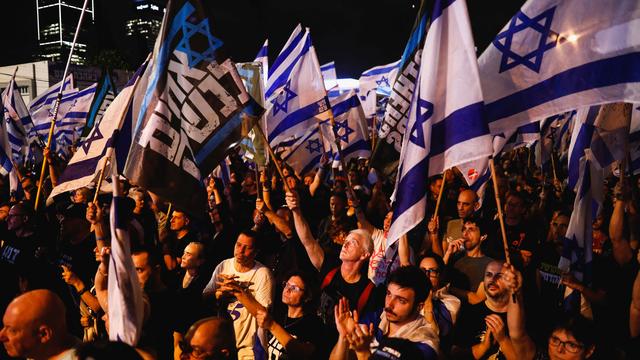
(356, 34)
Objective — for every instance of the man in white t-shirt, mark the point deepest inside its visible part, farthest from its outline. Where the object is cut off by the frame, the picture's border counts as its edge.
(244, 270)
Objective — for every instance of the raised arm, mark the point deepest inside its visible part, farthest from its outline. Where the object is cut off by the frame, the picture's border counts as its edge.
(363, 223)
(314, 250)
(281, 224)
(622, 252)
(522, 344)
(317, 180)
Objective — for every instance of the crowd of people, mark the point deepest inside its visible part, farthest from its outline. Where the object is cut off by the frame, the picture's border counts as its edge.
(301, 268)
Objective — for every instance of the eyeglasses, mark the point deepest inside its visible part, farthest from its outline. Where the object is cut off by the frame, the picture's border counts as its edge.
(291, 287)
(193, 352)
(570, 346)
(431, 272)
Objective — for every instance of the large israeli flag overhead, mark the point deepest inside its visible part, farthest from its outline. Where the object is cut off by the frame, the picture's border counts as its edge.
(554, 56)
(446, 125)
(296, 96)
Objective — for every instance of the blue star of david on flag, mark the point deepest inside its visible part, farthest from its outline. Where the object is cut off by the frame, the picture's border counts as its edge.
(288, 96)
(519, 23)
(346, 130)
(313, 146)
(196, 32)
(416, 135)
(384, 81)
(96, 135)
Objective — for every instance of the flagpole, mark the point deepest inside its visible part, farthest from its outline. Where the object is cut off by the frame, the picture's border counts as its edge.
(100, 178)
(444, 175)
(275, 159)
(500, 217)
(57, 105)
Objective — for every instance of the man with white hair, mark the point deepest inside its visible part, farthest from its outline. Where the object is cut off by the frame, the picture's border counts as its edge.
(344, 278)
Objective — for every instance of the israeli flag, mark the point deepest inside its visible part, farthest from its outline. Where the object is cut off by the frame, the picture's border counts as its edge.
(16, 116)
(446, 125)
(554, 56)
(6, 163)
(263, 58)
(305, 153)
(329, 71)
(377, 80)
(300, 100)
(634, 141)
(86, 163)
(350, 126)
(577, 253)
(280, 71)
(41, 107)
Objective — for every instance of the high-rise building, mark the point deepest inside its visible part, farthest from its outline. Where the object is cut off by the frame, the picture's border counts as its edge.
(57, 21)
(146, 21)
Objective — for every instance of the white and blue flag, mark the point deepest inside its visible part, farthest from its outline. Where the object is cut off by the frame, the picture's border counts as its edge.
(555, 56)
(263, 58)
(377, 80)
(16, 117)
(86, 163)
(329, 71)
(446, 124)
(350, 126)
(304, 154)
(296, 98)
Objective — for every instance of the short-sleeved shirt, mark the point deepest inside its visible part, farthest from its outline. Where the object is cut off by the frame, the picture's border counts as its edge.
(468, 272)
(308, 328)
(260, 283)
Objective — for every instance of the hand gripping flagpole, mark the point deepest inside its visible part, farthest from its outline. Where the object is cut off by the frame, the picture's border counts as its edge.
(57, 105)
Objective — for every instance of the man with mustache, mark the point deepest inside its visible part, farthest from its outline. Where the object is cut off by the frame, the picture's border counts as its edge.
(402, 332)
(482, 328)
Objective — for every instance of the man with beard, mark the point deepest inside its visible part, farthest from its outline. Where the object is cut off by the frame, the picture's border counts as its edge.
(482, 328)
(402, 331)
(466, 274)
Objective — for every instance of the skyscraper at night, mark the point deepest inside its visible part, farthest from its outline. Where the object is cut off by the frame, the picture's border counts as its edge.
(57, 21)
(146, 21)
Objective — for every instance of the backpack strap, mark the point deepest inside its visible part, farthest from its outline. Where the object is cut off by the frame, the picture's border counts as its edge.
(328, 278)
(364, 297)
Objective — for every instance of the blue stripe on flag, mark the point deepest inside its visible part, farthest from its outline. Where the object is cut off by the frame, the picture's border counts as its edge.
(606, 72)
(282, 79)
(296, 118)
(461, 125)
(414, 185)
(379, 71)
(286, 52)
(343, 107)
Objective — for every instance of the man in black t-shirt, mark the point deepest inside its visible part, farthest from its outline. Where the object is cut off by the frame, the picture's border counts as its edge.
(179, 237)
(344, 278)
(481, 330)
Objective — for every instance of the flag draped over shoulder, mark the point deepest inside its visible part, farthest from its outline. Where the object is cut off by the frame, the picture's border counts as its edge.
(191, 111)
(554, 56)
(386, 153)
(446, 125)
(126, 304)
(84, 167)
(296, 96)
(377, 80)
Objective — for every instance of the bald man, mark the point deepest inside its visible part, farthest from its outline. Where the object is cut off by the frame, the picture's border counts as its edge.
(467, 205)
(35, 327)
(211, 338)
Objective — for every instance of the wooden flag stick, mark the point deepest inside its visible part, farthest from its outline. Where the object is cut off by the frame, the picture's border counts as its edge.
(553, 166)
(57, 104)
(444, 176)
(100, 178)
(500, 215)
(275, 161)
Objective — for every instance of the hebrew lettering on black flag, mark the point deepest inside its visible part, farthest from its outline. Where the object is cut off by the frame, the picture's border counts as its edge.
(387, 151)
(191, 110)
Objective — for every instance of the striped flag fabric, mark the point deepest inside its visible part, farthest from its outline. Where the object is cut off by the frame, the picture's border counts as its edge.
(350, 126)
(7, 166)
(387, 151)
(263, 58)
(446, 124)
(301, 99)
(304, 154)
(16, 117)
(86, 163)
(126, 304)
(377, 80)
(555, 56)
